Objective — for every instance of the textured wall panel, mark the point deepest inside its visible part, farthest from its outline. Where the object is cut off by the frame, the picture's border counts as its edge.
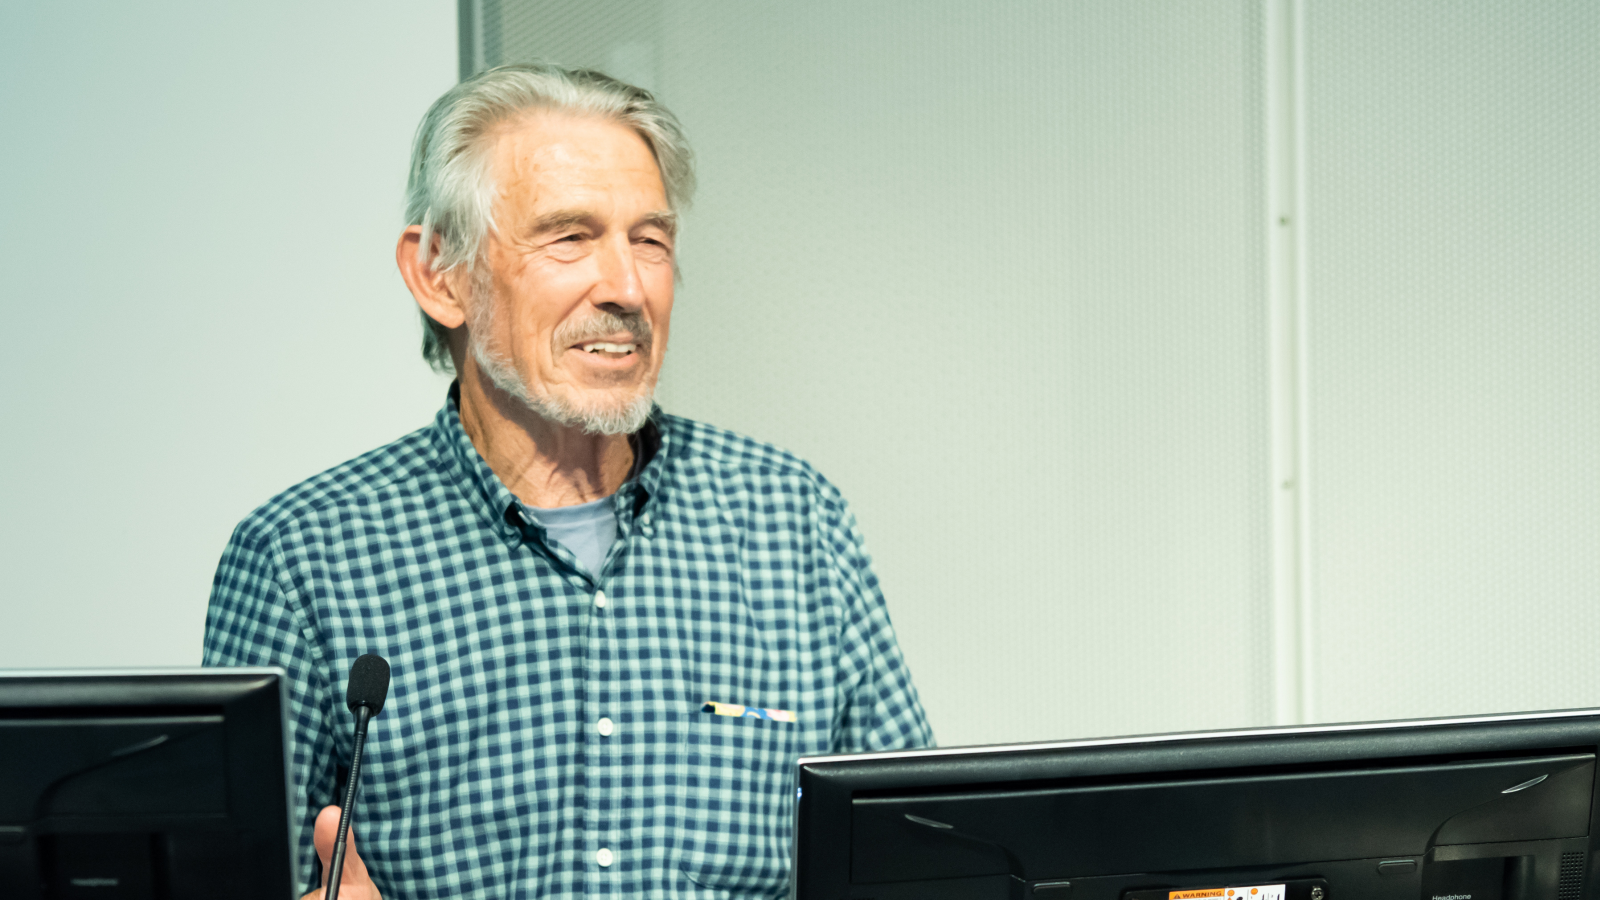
(1454, 216)
(996, 271)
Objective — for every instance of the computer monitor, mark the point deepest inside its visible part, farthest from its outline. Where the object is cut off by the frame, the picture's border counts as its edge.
(1481, 808)
(144, 785)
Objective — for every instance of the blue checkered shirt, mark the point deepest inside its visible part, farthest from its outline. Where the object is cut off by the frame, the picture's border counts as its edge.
(738, 577)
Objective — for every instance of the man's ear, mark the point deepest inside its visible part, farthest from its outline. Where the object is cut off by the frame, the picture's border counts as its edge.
(435, 291)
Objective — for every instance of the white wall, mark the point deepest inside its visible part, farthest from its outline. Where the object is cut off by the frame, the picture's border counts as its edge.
(200, 203)
(1453, 298)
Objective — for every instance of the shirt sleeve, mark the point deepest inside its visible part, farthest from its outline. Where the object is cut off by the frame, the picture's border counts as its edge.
(253, 620)
(879, 708)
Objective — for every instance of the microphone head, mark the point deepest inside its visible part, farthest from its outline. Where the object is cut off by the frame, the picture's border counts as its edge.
(369, 683)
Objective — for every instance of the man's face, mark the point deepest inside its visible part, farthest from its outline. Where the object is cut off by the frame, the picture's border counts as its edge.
(570, 314)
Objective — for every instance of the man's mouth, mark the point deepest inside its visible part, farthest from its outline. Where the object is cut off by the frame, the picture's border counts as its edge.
(607, 349)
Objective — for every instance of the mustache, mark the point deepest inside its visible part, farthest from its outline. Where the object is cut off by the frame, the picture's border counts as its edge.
(603, 325)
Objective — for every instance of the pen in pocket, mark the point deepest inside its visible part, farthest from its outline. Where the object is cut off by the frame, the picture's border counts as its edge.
(747, 712)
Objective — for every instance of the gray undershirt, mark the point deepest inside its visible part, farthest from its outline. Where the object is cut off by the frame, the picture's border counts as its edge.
(588, 530)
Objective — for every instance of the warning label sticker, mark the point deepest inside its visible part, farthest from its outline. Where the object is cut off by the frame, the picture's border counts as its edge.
(1246, 892)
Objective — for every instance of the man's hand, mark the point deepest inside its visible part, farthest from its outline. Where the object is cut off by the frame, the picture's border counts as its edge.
(355, 884)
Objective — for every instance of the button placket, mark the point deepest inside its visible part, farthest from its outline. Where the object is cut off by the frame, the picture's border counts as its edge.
(602, 809)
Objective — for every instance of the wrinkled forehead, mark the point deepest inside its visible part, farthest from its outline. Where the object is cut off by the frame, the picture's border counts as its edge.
(546, 158)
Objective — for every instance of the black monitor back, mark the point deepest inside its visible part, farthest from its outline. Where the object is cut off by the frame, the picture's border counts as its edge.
(158, 785)
(1483, 808)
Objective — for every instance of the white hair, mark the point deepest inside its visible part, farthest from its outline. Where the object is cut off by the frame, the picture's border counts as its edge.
(450, 191)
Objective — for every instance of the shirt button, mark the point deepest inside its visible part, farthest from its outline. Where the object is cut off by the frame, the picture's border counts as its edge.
(600, 599)
(603, 856)
(605, 727)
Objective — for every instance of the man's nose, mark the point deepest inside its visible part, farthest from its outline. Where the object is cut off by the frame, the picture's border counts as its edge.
(619, 284)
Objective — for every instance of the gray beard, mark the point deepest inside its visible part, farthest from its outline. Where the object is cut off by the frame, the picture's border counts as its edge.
(620, 418)
(624, 417)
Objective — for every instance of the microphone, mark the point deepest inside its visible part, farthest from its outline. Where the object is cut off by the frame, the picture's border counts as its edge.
(368, 688)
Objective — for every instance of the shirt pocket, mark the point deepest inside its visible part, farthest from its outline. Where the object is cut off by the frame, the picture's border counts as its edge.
(738, 803)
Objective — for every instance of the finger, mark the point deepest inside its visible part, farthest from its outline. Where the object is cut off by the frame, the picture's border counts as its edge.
(323, 836)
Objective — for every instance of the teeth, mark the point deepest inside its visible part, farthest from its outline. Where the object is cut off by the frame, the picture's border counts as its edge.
(609, 348)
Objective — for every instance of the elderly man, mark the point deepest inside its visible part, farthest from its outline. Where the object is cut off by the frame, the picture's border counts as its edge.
(612, 630)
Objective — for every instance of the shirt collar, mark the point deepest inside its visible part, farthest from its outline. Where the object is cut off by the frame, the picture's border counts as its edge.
(501, 509)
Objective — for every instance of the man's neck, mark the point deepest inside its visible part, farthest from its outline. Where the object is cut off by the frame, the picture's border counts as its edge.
(545, 464)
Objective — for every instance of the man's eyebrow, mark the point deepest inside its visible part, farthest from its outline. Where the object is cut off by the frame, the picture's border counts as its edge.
(559, 220)
(562, 219)
(666, 220)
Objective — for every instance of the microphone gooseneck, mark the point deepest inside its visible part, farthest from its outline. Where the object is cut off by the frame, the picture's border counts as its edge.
(365, 693)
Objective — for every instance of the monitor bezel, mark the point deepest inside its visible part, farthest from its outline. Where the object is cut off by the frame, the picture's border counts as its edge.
(826, 785)
(205, 685)
(1254, 732)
